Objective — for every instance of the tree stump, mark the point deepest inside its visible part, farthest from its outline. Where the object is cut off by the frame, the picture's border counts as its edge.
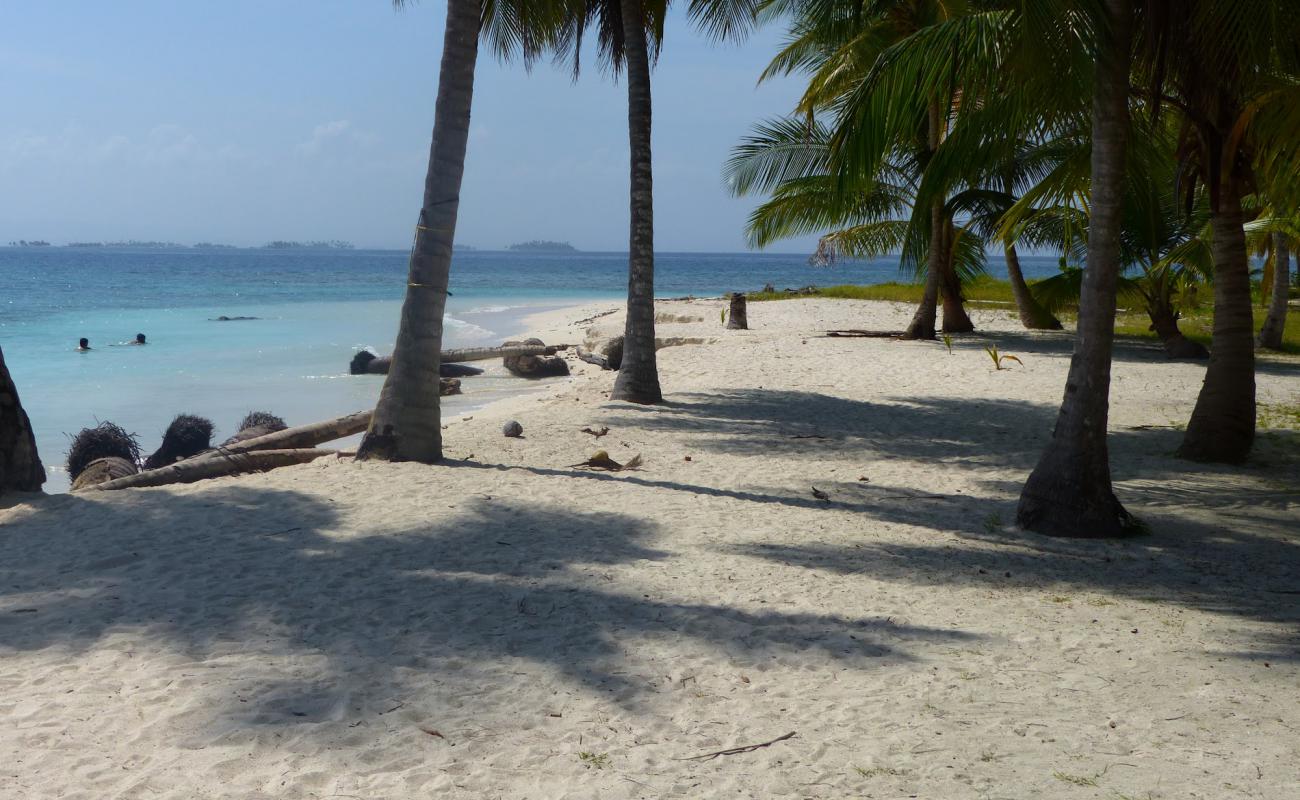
(736, 318)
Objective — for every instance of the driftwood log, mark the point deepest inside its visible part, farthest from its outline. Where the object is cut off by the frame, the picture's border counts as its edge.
(217, 465)
(607, 354)
(302, 435)
(534, 365)
(448, 386)
(737, 319)
(20, 466)
(103, 470)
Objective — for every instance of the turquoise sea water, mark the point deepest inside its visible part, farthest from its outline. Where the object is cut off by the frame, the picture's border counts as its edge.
(314, 309)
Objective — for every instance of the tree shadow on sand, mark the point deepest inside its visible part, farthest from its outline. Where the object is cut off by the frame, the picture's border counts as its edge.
(265, 571)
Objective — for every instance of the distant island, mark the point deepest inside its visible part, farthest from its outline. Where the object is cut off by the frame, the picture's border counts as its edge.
(132, 243)
(333, 244)
(538, 245)
(25, 243)
(213, 246)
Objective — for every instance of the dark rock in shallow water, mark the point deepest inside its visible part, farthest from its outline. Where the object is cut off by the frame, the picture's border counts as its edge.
(535, 366)
(231, 319)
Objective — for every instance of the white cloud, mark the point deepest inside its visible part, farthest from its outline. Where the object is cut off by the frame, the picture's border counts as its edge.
(326, 133)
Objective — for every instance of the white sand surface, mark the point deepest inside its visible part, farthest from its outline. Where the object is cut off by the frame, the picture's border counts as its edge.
(507, 626)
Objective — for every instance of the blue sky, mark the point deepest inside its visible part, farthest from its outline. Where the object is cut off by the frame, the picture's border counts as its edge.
(242, 122)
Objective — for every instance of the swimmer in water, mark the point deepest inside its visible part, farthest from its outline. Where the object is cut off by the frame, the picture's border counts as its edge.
(139, 339)
(83, 345)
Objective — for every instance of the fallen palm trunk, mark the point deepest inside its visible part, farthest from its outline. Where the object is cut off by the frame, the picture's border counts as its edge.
(301, 436)
(599, 360)
(860, 334)
(217, 465)
(367, 363)
(103, 470)
(506, 351)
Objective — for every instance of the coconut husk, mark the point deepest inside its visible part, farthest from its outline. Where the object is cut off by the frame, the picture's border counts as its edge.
(601, 460)
(186, 436)
(105, 440)
(102, 470)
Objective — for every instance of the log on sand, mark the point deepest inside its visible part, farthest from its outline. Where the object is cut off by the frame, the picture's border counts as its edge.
(507, 351)
(301, 436)
(216, 465)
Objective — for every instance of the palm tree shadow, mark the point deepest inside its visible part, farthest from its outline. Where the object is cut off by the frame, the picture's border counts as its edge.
(465, 595)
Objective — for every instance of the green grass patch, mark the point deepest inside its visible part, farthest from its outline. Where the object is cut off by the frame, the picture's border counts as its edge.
(1280, 415)
(983, 291)
(1196, 324)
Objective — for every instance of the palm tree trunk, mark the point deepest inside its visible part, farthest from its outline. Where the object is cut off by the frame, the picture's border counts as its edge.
(1069, 493)
(20, 465)
(1270, 336)
(407, 423)
(638, 376)
(1222, 427)
(1032, 314)
(922, 325)
(955, 319)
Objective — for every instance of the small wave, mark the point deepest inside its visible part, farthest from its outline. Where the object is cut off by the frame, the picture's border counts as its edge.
(490, 309)
(467, 329)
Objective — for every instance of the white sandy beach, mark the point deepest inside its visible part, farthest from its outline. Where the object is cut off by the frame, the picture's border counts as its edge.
(507, 626)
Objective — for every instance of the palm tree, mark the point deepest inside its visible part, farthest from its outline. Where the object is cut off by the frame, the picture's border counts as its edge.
(630, 36)
(638, 376)
(1069, 492)
(20, 465)
(854, 56)
(1229, 72)
(407, 424)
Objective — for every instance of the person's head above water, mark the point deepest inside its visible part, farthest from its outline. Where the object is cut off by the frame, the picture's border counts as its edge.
(84, 344)
(139, 338)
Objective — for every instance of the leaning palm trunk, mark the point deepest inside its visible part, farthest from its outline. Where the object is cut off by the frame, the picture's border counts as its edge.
(922, 325)
(20, 466)
(1032, 314)
(638, 376)
(406, 425)
(1222, 427)
(1270, 336)
(1165, 324)
(955, 318)
(1069, 493)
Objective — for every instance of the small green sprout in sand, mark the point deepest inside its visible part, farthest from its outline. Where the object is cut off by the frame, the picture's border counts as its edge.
(1077, 780)
(999, 358)
(993, 523)
(724, 316)
(874, 771)
(594, 760)
(947, 342)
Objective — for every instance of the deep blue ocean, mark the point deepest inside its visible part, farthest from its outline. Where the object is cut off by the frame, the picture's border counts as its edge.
(314, 309)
